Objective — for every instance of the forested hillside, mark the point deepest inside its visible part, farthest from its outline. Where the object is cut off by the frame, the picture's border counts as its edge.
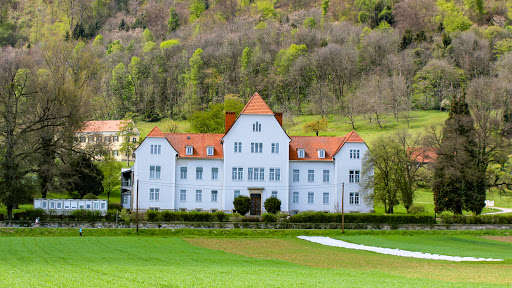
(168, 58)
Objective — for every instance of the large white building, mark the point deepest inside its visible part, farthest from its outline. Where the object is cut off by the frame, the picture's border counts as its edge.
(254, 157)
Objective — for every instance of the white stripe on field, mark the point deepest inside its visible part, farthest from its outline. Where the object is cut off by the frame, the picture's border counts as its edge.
(397, 252)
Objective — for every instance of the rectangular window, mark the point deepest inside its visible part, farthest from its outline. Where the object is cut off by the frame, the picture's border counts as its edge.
(183, 172)
(295, 197)
(214, 195)
(199, 173)
(209, 151)
(256, 174)
(154, 194)
(156, 149)
(311, 175)
(154, 172)
(326, 197)
(238, 147)
(103, 205)
(354, 154)
(275, 148)
(215, 173)
(82, 139)
(295, 175)
(52, 205)
(353, 176)
(274, 194)
(189, 150)
(321, 153)
(301, 153)
(134, 140)
(275, 174)
(96, 205)
(199, 195)
(236, 194)
(326, 176)
(256, 147)
(256, 127)
(237, 174)
(115, 153)
(183, 195)
(99, 139)
(311, 197)
(354, 198)
(116, 138)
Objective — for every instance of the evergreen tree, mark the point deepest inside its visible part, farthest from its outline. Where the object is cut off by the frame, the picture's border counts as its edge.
(458, 181)
(173, 23)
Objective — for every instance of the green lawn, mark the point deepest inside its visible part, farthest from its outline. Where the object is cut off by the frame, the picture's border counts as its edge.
(201, 261)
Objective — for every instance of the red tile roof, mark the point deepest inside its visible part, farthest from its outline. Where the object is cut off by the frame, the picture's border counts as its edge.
(256, 105)
(311, 144)
(422, 154)
(156, 132)
(104, 126)
(180, 141)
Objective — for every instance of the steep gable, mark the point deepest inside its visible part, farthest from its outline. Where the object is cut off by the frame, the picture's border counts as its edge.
(256, 105)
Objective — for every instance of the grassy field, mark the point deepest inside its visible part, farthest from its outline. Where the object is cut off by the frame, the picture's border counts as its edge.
(195, 258)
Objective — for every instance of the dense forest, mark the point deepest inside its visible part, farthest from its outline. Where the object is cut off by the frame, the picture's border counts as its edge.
(168, 58)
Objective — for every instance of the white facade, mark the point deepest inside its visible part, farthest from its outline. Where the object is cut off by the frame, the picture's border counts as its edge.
(255, 158)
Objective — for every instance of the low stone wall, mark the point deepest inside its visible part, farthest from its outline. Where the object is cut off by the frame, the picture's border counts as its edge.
(253, 225)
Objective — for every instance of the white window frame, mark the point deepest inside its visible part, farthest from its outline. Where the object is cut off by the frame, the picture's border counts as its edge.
(274, 194)
(311, 176)
(209, 151)
(295, 175)
(236, 193)
(295, 197)
(301, 153)
(189, 150)
(354, 198)
(237, 174)
(199, 173)
(326, 198)
(238, 147)
(256, 127)
(275, 174)
(183, 172)
(321, 153)
(255, 174)
(154, 194)
(215, 194)
(199, 196)
(325, 176)
(311, 197)
(156, 149)
(154, 171)
(256, 147)
(354, 153)
(354, 176)
(275, 148)
(183, 195)
(215, 173)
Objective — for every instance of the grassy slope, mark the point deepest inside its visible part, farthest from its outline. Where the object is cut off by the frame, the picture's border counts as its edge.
(170, 262)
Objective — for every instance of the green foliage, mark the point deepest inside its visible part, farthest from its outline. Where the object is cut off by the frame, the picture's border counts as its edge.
(115, 46)
(452, 17)
(110, 169)
(84, 176)
(272, 205)
(86, 215)
(325, 7)
(98, 41)
(196, 8)
(309, 23)
(320, 217)
(286, 57)
(480, 219)
(121, 86)
(266, 8)
(316, 126)
(90, 196)
(269, 218)
(242, 204)
(195, 77)
(261, 26)
(149, 46)
(233, 103)
(193, 216)
(147, 36)
(208, 121)
(502, 47)
(246, 57)
(169, 44)
(174, 22)
(416, 209)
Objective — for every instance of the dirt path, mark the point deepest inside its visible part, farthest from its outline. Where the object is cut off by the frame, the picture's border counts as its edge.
(503, 210)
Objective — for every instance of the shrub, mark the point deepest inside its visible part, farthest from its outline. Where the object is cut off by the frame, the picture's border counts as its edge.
(267, 218)
(250, 219)
(22, 215)
(90, 196)
(116, 206)
(221, 216)
(480, 219)
(126, 215)
(272, 205)
(242, 204)
(235, 217)
(416, 209)
(111, 215)
(35, 213)
(320, 217)
(153, 215)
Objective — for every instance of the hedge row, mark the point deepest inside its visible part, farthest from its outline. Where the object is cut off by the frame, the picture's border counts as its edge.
(481, 219)
(320, 217)
(169, 216)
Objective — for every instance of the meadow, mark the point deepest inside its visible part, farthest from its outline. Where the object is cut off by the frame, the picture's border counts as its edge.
(265, 258)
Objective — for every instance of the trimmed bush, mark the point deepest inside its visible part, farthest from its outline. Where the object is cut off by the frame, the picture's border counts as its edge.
(116, 206)
(272, 205)
(320, 217)
(242, 204)
(90, 196)
(480, 219)
(416, 209)
(86, 215)
(250, 219)
(32, 214)
(153, 215)
(269, 218)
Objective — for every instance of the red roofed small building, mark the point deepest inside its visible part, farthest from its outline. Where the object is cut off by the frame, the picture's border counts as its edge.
(254, 157)
(108, 133)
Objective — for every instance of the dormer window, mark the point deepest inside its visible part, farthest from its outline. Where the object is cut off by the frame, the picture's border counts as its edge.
(321, 153)
(209, 150)
(301, 153)
(189, 150)
(256, 127)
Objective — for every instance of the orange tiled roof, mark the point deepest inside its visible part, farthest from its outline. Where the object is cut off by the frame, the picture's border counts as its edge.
(311, 144)
(104, 126)
(256, 105)
(179, 141)
(156, 132)
(422, 154)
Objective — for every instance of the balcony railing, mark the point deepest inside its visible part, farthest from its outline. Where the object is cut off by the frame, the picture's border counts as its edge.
(126, 183)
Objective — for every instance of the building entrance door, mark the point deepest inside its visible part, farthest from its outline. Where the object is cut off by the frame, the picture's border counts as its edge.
(255, 204)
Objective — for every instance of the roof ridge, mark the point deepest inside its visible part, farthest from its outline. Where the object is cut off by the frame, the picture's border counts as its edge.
(156, 132)
(256, 105)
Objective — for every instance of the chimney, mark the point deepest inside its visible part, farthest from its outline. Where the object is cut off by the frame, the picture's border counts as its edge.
(279, 118)
(229, 120)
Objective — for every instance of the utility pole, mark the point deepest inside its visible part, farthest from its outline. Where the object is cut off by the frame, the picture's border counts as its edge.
(137, 206)
(342, 207)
